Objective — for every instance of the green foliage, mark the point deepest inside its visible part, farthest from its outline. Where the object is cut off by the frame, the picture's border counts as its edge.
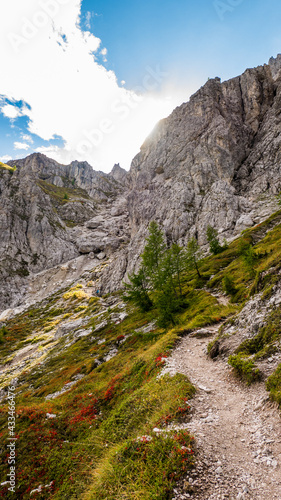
(228, 285)
(137, 291)
(273, 385)
(146, 468)
(3, 333)
(193, 255)
(154, 250)
(7, 167)
(213, 240)
(244, 368)
(249, 256)
(167, 304)
(61, 195)
(177, 265)
(160, 277)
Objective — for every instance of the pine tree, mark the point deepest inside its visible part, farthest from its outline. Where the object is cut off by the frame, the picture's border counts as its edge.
(193, 255)
(137, 291)
(160, 276)
(213, 240)
(249, 256)
(154, 249)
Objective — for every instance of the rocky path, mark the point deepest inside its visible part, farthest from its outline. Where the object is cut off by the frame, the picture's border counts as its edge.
(237, 428)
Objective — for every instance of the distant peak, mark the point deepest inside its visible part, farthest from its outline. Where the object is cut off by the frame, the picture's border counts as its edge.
(118, 173)
(275, 65)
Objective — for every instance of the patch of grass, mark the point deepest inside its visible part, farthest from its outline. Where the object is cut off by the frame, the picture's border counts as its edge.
(244, 368)
(3, 166)
(204, 309)
(76, 293)
(273, 385)
(264, 343)
(62, 195)
(145, 468)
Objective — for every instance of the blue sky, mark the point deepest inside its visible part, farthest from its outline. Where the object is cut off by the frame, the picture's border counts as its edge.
(89, 79)
(190, 39)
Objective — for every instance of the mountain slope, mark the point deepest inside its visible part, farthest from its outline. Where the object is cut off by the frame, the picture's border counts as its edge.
(43, 207)
(97, 409)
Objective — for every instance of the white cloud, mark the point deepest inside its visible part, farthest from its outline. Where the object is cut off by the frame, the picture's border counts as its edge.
(48, 150)
(27, 138)
(5, 158)
(70, 94)
(88, 20)
(10, 111)
(21, 145)
(104, 54)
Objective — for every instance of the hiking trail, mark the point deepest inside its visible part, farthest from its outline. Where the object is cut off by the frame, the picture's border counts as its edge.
(237, 429)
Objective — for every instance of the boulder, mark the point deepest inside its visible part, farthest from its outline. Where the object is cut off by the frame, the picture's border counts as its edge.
(66, 328)
(95, 222)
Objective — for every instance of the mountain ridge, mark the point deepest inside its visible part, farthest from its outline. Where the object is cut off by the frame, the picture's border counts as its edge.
(214, 161)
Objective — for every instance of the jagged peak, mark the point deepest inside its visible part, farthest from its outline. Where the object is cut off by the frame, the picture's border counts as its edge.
(118, 173)
(275, 66)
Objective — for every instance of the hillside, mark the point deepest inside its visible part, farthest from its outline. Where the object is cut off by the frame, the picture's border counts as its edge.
(86, 371)
(110, 405)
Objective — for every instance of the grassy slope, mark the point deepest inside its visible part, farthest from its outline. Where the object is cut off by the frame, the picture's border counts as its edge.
(3, 166)
(91, 449)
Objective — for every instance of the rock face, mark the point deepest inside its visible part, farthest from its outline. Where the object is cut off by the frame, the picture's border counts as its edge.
(211, 159)
(215, 160)
(43, 208)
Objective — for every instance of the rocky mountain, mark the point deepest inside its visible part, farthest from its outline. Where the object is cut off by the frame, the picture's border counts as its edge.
(43, 209)
(215, 160)
(108, 402)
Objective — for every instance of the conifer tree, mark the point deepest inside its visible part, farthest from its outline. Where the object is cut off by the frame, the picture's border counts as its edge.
(193, 255)
(213, 240)
(137, 290)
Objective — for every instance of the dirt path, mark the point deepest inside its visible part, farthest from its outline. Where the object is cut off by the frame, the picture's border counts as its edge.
(238, 430)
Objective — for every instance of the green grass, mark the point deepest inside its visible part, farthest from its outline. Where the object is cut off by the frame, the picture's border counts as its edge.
(114, 404)
(274, 385)
(62, 195)
(133, 467)
(3, 166)
(244, 368)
